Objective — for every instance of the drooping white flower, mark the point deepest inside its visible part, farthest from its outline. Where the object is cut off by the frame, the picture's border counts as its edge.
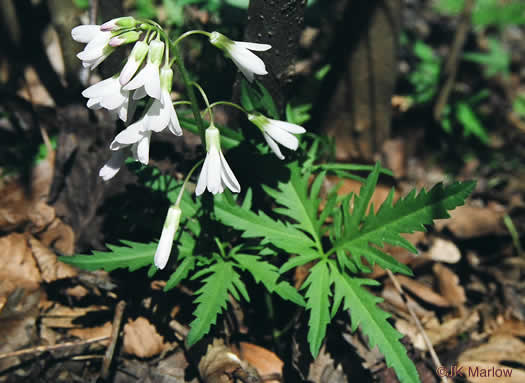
(215, 173)
(171, 224)
(112, 167)
(135, 137)
(97, 48)
(275, 131)
(148, 78)
(137, 55)
(110, 95)
(162, 114)
(119, 22)
(241, 55)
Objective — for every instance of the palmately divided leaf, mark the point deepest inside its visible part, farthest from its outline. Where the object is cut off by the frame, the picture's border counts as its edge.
(181, 272)
(295, 201)
(212, 298)
(373, 322)
(133, 256)
(317, 287)
(268, 274)
(254, 225)
(409, 214)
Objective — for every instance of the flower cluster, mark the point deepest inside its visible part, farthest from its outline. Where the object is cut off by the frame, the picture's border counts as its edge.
(147, 75)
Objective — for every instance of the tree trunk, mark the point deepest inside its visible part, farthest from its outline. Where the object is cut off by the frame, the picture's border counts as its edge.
(363, 74)
(278, 23)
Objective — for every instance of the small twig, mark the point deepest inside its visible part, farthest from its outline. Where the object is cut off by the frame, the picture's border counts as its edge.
(37, 349)
(428, 343)
(115, 331)
(451, 66)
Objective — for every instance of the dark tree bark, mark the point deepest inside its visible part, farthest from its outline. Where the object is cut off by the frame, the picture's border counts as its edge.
(363, 75)
(278, 23)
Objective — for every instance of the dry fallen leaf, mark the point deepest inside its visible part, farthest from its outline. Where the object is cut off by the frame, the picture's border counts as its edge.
(473, 221)
(436, 332)
(17, 259)
(264, 361)
(422, 291)
(142, 339)
(221, 365)
(442, 250)
(322, 369)
(59, 316)
(92, 332)
(449, 285)
(50, 268)
(489, 357)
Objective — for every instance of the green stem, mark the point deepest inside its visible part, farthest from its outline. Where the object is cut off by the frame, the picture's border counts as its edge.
(228, 103)
(205, 98)
(189, 33)
(179, 197)
(191, 93)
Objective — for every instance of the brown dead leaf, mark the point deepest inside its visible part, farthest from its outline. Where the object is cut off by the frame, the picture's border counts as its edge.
(392, 296)
(436, 332)
(35, 92)
(394, 156)
(93, 332)
(142, 339)
(265, 361)
(59, 236)
(17, 259)
(77, 291)
(474, 221)
(50, 268)
(221, 365)
(488, 357)
(323, 366)
(422, 291)
(59, 316)
(442, 250)
(449, 285)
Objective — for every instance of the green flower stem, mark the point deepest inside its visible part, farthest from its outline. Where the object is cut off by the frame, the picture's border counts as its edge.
(189, 89)
(179, 197)
(189, 33)
(228, 103)
(205, 98)
(175, 103)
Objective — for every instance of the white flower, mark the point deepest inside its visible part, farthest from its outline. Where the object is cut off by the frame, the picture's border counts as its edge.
(137, 55)
(171, 224)
(215, 173)
(148, 79)
(97, 48)
(275, 131)
(239, 51)
(112, 167)
(110, 95)
(136, 137)
(162, 114)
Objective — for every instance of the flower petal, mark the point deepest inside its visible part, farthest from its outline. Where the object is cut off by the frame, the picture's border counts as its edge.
(203, 177)
(128, 136)
(152, 84)
(273, 145)
(99, 89)
(253, 46)
(247, 59)
(171, 224)
(157, 117)
(289, 127)
(214, 170)
(138, 80)
(139, 93)
(143, 148)
(112, 167)
(284, 138)
(84, 33)
(227, 176)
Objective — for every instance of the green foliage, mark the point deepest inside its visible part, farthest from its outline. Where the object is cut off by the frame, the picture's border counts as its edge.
(133, 256)
(257, 99)
(355, 233)
(518, 106)
(82, 4)
(298, 114)
(496, 61)
(146, 9)
(487, 12)
(425, 76)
